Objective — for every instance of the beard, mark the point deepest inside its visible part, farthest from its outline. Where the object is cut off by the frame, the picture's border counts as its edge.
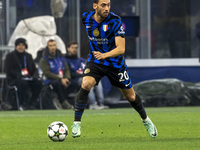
(101, 14)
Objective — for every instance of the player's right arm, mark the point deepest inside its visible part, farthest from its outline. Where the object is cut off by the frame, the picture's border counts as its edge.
(119, 50)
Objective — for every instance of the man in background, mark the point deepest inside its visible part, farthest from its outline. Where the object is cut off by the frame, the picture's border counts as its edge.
(56, 72)
(22, 72)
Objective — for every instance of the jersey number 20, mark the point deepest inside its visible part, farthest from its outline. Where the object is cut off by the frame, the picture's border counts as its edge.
(123, 76)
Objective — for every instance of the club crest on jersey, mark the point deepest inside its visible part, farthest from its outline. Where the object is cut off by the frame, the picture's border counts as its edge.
(105, 28)
(86, 71)
(96, 32)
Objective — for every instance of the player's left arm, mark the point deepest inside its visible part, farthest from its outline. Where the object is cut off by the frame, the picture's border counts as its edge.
(119, 50)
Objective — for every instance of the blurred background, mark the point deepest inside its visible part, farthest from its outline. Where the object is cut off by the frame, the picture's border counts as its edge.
(161, 41)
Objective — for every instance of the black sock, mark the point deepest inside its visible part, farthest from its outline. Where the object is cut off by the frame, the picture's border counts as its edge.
(80, 103)
(137, 105)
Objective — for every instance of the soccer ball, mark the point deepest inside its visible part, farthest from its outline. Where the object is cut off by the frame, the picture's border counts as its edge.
(57, 131)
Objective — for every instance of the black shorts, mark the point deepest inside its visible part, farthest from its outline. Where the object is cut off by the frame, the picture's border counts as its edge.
(118, 77)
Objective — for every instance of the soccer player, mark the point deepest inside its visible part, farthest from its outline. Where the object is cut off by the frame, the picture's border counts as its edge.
(107, 46)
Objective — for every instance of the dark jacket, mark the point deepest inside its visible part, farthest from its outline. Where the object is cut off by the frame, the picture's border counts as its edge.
(14, 63)
(75, 64)
(48, 71)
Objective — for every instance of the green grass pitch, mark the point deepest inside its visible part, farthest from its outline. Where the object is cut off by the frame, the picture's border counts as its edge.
(110, 129)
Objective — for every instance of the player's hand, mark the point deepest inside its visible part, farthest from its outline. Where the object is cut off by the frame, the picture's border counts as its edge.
(99, 55)
(65, 82)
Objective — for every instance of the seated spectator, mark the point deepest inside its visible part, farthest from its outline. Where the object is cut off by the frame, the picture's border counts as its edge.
(22, 72)
(56, 72)
(77, 66)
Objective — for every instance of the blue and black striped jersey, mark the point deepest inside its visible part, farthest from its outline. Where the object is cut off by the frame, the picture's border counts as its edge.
(102, 38)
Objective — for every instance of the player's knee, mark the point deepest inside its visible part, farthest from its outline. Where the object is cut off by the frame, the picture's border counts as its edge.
(87, 85)
(131, 97)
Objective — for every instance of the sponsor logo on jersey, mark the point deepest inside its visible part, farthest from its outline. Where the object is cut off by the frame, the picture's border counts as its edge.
(98, 40)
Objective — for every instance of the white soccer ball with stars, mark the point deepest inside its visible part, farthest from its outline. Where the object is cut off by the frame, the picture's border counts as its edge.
(57, 131)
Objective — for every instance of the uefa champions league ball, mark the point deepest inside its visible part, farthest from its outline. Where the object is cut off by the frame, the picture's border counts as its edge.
(57, 131)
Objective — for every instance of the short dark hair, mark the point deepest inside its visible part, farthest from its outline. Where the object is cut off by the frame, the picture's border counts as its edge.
(51, 40)
(72, 43)
(95, 1)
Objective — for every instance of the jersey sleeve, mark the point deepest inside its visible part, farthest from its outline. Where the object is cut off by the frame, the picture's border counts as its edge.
(118, 28)
(84, 16)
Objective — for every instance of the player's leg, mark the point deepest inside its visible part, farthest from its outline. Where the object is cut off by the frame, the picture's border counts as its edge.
(82, 96)
(136, 103)
(92, 75)
(81, 102)
(120, 78)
